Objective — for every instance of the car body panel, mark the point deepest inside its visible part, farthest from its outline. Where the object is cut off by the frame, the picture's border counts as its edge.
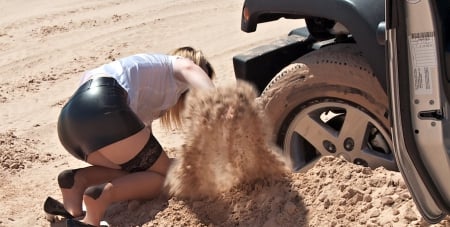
(361, 18)
(419, 104)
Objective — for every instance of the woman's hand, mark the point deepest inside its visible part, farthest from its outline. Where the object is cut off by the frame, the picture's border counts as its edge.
(229, 114)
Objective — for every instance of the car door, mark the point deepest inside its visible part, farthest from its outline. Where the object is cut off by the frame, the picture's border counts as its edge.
(419, 85)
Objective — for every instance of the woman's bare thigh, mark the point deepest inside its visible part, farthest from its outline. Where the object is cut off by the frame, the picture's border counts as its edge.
(125, 149)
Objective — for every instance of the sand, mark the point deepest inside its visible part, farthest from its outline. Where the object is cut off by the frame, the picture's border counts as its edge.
(46, 45)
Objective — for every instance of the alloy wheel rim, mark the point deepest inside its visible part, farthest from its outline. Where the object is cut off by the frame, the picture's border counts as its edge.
(337, 128)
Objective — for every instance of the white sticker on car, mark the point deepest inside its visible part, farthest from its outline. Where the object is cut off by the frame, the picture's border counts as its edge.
(413, 1)
(424, 61)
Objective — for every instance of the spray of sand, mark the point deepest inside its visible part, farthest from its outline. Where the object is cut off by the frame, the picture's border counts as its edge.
(227, 144)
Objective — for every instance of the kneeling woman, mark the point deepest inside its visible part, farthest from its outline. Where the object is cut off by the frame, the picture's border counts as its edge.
(107, 123)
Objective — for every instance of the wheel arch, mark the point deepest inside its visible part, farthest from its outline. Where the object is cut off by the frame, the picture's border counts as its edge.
(363, 19)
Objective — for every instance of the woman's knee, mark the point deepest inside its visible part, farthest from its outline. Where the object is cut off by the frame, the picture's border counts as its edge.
(97, 191)
(66, 179)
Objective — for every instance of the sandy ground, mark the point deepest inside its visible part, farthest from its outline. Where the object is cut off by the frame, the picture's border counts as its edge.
(45, 45)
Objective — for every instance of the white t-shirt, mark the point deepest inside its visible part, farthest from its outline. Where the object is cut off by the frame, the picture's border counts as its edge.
(149, 80)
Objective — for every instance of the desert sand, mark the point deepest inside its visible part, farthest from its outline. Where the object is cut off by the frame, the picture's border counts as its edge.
(46, 45)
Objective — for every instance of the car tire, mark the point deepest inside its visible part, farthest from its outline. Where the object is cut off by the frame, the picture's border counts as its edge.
(329, 102)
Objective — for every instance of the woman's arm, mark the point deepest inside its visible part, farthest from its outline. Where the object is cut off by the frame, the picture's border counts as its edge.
(186, 70)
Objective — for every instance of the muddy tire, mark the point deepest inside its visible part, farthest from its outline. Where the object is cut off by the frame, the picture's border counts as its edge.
(329, 102)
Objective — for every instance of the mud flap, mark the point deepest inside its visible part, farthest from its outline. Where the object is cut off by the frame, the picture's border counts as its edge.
(261, 64)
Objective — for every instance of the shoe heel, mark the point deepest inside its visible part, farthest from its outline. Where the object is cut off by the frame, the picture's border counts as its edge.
(50, 217)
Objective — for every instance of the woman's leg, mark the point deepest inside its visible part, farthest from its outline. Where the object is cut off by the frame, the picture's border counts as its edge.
(73, 184)
(139, 185)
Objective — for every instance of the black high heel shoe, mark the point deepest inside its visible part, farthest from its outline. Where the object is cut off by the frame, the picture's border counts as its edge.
(75, 223)
(53, 208)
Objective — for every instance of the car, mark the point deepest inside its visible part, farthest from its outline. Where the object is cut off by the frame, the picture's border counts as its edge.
(418, 56)
(365, 80)
(324, 85)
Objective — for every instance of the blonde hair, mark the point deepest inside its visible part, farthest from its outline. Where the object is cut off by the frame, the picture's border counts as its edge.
(172, 117)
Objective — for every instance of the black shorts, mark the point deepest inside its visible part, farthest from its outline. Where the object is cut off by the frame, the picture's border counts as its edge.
(96, 115)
